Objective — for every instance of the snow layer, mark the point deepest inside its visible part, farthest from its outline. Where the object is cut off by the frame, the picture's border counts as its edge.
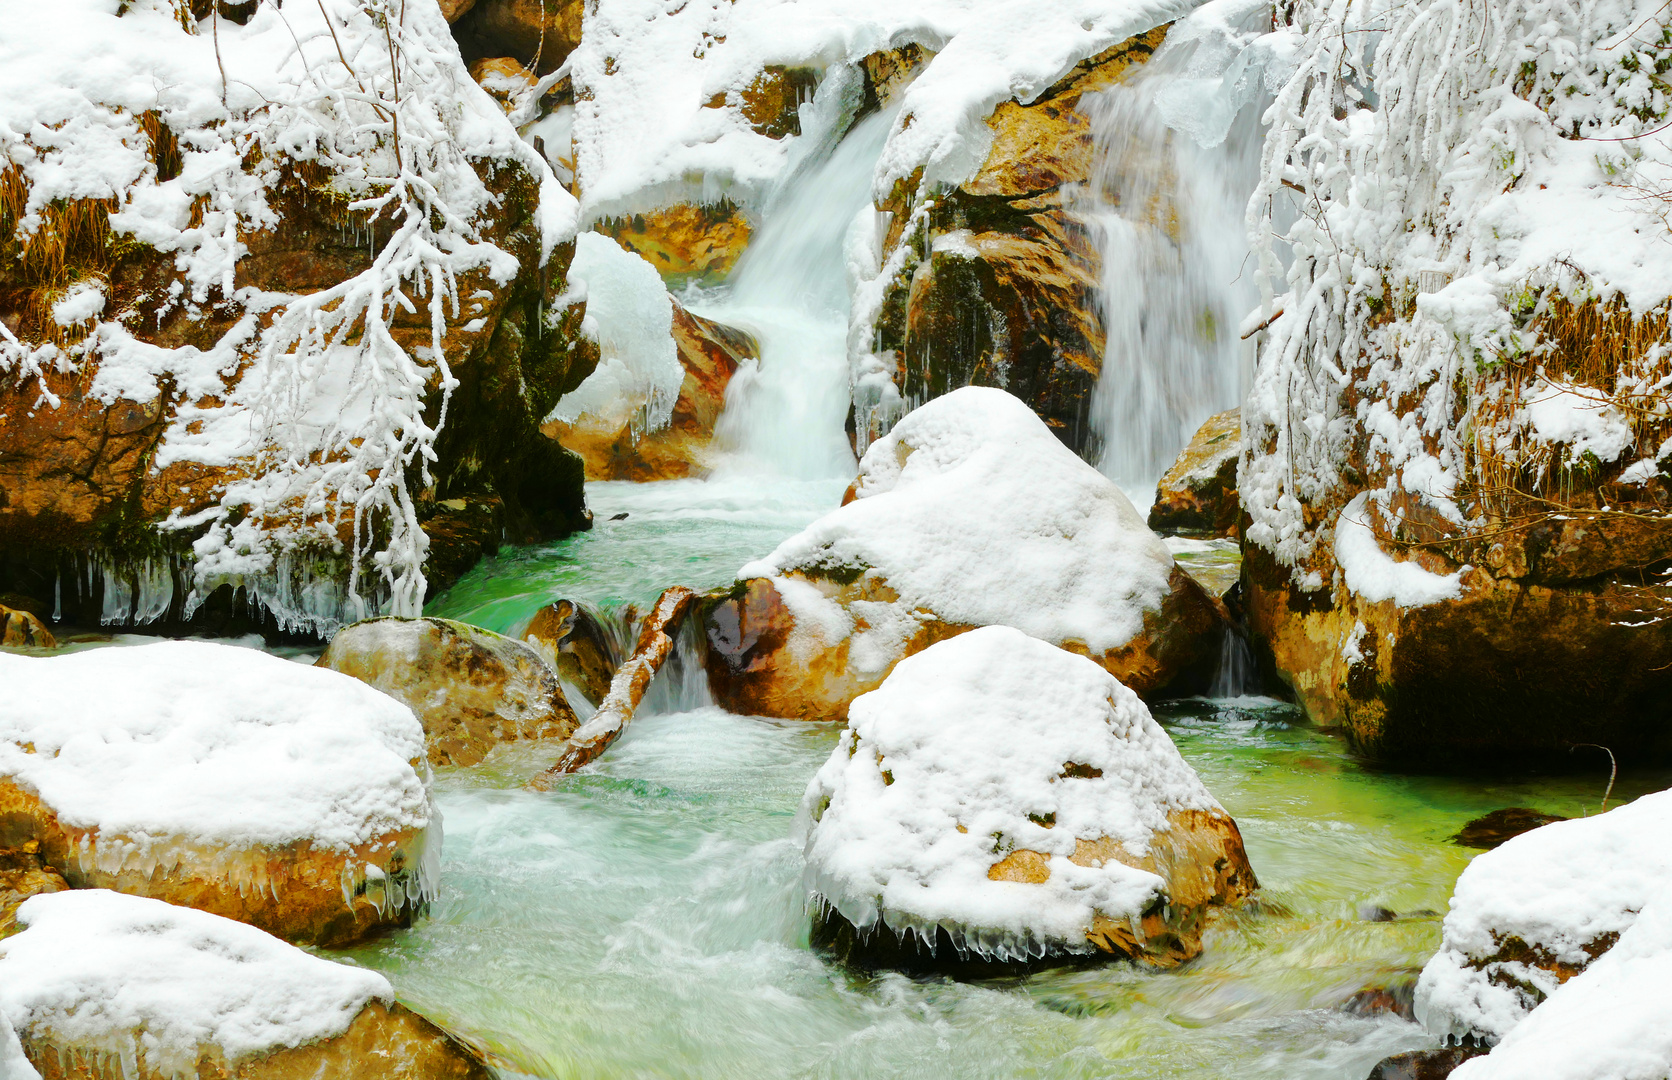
(1581, 418)
(1449, 161)
(152, 984)
(629, 312)
(1613, 1021)
(1373, 574)
(188, 744)
(975, 514)
(323, 402)
(645, 69)
(1558, 888)
(960, 757)
(13, 1064)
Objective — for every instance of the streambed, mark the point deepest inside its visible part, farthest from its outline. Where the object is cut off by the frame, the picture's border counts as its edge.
(646, 918)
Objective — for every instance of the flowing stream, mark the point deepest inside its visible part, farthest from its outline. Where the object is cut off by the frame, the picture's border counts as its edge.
(646, 918)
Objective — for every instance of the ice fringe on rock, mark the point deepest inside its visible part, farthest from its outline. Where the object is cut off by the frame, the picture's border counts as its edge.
(329, 408)
(144, 983)
(1529, 914)
(987, 750)
(195, 766)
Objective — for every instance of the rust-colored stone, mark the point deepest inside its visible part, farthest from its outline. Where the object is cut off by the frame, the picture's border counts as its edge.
(470, 688)
(687, 242)
(296, 892)
(20, 629)
(1198, 495)
(575, 643)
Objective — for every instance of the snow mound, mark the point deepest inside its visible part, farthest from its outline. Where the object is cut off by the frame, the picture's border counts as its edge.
(213, 744)
(1564, 890)
(972, 510)
(1613, 1021)
(987, 744)
(646, 72)
(153, 984)
(1580, 417)
(1375, 575)
(629, 311)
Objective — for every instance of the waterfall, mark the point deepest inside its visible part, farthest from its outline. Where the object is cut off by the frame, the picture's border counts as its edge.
(788, 415)
(1177, 156)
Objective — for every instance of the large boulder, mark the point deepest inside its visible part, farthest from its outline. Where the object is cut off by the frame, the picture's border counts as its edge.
(685, 243)
(221, 778)
(20, 629)
(178, 334)
(969, 513)
(1532, 914)
(1457, 469)
(1197, 496)
(579, 646)
(99, 984)
(470, 688)
(1000, 797)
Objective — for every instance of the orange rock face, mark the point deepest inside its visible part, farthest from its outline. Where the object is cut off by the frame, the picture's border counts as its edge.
(685, 242)
(1198, 495)
(302, 893)
(23, 628)
(470, 688)
(710, 352)
(384, 1042)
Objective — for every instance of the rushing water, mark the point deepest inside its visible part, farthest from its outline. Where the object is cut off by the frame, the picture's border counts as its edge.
(645, 918)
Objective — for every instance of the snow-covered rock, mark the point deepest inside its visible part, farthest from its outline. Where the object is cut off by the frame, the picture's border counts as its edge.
(292, 798)
(1198, 495)
(99, 983)
(470, 688)
(1000, 797)
(969, 513)
(283, 307)
(1529, 916)
(1612, 1021)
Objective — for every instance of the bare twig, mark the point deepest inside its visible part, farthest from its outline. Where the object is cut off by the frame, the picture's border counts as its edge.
(1613, 770)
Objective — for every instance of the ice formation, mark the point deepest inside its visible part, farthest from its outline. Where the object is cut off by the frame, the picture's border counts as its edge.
(13, 1064)
(646, 72)
(629, 312)
(220, 761)
(140, 983)
(1613, 1020)
(985, 744)
(325, 415)
(1453, 167)
(973, 513)
(1558, 890)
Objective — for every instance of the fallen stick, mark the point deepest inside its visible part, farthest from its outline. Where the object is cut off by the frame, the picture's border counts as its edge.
(627, 688)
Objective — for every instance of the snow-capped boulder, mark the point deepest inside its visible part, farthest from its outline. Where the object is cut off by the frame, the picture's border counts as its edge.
(1197, 496)
(1612, 1021)
(1528, 917)
(256, 355)
(969, 513)
(1002, 799)
(470, 688)
(102, 984)
(292, 798)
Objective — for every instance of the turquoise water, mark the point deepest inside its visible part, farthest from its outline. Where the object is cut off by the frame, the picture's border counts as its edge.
(645, 918)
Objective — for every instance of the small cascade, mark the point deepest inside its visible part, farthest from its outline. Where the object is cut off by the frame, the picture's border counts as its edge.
(682, 683)
(1237, 675)
(1177, 156)
(787, 417)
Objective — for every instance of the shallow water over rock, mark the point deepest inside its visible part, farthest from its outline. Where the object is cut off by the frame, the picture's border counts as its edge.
(647, 917)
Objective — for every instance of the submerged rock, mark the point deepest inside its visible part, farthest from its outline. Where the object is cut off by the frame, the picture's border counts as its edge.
(1531, 915)
(1198, 495)
(470, 688)
(1016, 803)
(98, 984)
(969, 513)
(221, 778)
(19, 629)
(1490, 830)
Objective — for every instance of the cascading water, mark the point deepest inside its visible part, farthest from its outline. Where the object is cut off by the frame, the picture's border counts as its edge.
(787, 417)
(1177, 156)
